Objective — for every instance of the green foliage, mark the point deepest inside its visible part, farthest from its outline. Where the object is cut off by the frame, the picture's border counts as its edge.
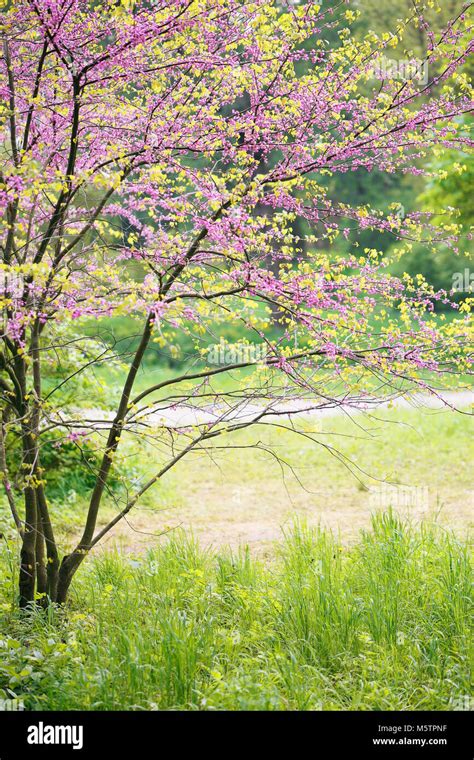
(382, 625)
(69, 466)
(451, 188)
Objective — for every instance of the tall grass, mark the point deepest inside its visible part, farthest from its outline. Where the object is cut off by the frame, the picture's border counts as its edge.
(382, 625)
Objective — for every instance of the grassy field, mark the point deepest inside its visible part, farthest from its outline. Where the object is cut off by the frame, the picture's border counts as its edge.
(418, 462)
(382, 625)
(307, 582)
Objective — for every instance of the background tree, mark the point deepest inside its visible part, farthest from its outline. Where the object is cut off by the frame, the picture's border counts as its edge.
(133, 182)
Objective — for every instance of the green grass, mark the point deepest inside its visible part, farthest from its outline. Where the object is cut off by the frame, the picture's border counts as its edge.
(381, 625)
(241, 493)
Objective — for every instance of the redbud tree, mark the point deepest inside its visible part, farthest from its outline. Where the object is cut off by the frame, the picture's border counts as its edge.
(168, 162)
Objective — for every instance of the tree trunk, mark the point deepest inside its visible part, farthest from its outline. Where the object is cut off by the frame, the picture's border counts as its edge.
(41, 573)
(52, 570)
(52, 557)
(64, 581)
(69, 565)
(27, 580)
(27, 576)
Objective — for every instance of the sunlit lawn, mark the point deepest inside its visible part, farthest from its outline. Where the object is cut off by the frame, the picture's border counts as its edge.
(417, 461)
